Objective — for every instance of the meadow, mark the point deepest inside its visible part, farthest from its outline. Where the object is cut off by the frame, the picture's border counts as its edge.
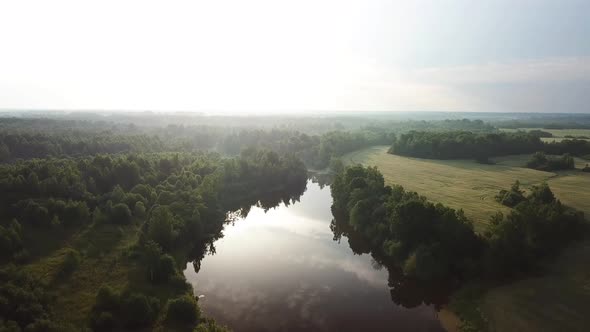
(559, 298)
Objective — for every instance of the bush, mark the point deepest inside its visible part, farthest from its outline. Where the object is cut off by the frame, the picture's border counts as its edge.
(183, 309)
(167, 267)
(139, 311)
(542, 162)
(511, 197)
(120, 214)
(179, 283)
(70, 263)
(210, 326)
(106, 299)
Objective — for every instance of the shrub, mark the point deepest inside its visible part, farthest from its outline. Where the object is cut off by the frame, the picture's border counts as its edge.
(183, 309)
(106, 299)
(120, 214)
(139, 310)
(210, 326)
(70, 263)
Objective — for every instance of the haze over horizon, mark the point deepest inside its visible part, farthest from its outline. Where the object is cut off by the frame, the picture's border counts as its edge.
(276, 56)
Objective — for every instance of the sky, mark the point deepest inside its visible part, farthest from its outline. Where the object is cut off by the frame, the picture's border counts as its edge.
(296, 56)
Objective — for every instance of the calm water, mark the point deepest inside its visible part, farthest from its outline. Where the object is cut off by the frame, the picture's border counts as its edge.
(282, 271)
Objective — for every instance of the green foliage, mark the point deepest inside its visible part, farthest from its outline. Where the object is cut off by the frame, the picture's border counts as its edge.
(430, 241)
(139, 210)
(511, 197)
(70, 262)
(106, 299)
(139, 310)
(129, 310)
(465, 302)
(11, 241)
(160, 227)
(120, 214)
(542, 162)
(210, 326)
(183, 310)
(160, 267)
(537, 227)
(464, 144)
(24, 301)
(540, 133)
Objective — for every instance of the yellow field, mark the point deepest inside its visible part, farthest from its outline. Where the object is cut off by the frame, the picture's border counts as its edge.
(557, 301)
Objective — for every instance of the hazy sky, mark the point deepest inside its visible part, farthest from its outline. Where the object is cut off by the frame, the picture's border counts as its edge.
(472, 55)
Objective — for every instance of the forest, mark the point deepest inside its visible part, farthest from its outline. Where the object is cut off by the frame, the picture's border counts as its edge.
(175, 203)
(431, 241)
(481, 146)
(99, 216)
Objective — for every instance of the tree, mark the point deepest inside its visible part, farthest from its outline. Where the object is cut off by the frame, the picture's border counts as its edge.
(120, 214)
(151, 253)
(139, 310)
(183, 310)
(160, 227)
(139, 210)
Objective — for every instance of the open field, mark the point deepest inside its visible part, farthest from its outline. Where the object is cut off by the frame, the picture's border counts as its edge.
(461, 184)
(558, 300)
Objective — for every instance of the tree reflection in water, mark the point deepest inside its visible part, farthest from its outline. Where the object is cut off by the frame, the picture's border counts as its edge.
(405, 291)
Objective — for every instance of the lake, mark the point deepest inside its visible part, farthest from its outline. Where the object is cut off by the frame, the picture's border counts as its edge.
(282, 270)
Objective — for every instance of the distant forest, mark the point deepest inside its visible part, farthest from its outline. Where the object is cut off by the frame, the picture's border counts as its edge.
(42, 138)
(480, 146)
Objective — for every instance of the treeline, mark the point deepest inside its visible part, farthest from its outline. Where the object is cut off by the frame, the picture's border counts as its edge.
(175, 202)
(464, 144)
(540, 161)
(546, 121)
(480, 146)
(316, 151)
(26, 146)
(431, 241)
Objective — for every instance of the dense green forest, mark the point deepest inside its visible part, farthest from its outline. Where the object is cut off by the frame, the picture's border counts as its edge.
(480, 146)
(175, 203)
(431, 241)
(70, 140)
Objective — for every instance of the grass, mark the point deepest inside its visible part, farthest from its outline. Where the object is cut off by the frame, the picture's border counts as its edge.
(557, 301)
(102, 264)
(460, 184)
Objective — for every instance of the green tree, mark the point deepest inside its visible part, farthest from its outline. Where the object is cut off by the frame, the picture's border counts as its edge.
(160, 227)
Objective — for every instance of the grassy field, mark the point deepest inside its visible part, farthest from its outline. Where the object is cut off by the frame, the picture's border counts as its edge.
(557, 301)
(460, 184)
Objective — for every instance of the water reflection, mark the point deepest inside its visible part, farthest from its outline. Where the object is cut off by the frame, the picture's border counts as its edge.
(283, 271)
